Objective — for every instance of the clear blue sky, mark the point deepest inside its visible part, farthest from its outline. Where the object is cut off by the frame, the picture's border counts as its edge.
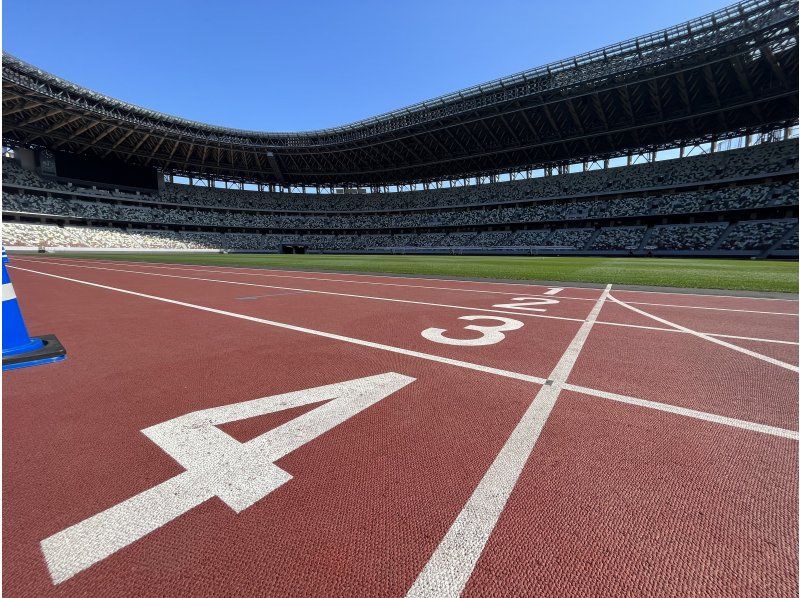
(297, 64)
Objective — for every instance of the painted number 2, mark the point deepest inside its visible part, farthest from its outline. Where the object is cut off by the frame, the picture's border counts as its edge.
(489, 334)
(528, 303)
(239, 473)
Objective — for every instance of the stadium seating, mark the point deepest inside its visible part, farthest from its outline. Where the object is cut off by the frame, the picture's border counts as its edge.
(619, 238)
(625, 209)
(685, 236)
(755, 235)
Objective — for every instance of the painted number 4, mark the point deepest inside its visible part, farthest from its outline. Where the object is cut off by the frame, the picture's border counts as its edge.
(239, 473)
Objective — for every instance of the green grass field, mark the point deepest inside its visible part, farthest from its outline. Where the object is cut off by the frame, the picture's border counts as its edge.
(745, 275)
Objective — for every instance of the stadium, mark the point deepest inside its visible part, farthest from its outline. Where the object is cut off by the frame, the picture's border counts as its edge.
(538, 336)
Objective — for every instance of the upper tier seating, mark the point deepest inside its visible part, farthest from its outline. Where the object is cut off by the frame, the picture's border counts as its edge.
(727, 198)
(644, 210)
(760, 160)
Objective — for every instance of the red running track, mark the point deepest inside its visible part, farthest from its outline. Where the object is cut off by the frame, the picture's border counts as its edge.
(667, 465)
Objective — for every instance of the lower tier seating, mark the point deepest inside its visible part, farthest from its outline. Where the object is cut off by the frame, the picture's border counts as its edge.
(755, 237)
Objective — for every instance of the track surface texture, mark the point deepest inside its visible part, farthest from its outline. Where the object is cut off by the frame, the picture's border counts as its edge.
(247, 432)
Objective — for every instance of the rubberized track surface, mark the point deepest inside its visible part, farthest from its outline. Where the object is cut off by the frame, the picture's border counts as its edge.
(578, 442)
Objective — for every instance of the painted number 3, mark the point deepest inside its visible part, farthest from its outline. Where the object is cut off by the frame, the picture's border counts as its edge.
(489, 335)
(216, 464)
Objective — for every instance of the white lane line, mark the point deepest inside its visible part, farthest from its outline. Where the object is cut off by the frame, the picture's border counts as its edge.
(252, 297)
(451, 565)
(710, 295)
(348, 295)
(338, 337)
(485, 369)
(711, 339)
(390, 276)
(747, 311)
(390, 299)
(693, 413)
(554, 291)
(267, 273)
(284, 271)
(714, 334)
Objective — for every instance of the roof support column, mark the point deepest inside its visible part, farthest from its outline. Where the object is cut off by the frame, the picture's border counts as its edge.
(273, 163)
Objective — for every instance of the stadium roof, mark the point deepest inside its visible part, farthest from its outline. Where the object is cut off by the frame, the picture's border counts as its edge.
(728, 72)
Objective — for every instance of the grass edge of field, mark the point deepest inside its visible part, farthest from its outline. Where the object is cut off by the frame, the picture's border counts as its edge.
(707, 274)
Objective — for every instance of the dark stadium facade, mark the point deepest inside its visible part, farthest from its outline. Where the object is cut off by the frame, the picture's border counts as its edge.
(727, 74)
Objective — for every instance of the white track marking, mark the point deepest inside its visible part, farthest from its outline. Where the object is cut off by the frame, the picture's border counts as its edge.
(527, 303)
(711, 339)
(717, 335)
(390, 299)
(78, 547)
(390, 276)
(283, 271)
(269, 274)
(251, 297)
(266, 272)
(746, 311)
(8, 292)
(452, 563)
(535, 416)
(425, 356)
(708, 295)
(490, 335)
(554, 291)
(316, 292)
(693, 413)
(338, 337)
(216, 464)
